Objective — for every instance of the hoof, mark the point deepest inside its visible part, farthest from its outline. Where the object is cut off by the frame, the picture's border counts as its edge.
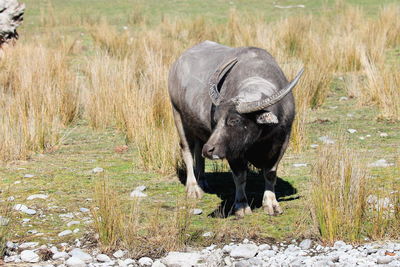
(270, 204)
(242, 209)
(194, 191)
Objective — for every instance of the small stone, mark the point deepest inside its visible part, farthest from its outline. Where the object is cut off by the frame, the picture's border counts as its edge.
(17, 182)
(75, 262)
(29, 256)
(60, 255)
(145, 261)
(181, 259)
(297, 165)
(103, 258)
(141, 188)
(14, 258)
(97, 170)
(29, 211)
(84, 210)
(64, 233)
(228, 261)
(28, 245)
(207, 234)
(361, 138)
(244, 251)
(343, 98)
(119, 254)
(137, 194)
(264, 247)
(385, 259)
(383, 135)
(197, 211)
(35, 196)
(158, 263)
(32, 232)
(305, 244)
(11, 245)
(313, 145)
(129, 261)
(78, 253)
(73, 223)
(20, 207)
(380, 163)
(76, 230)
(352, 131)
(29, 176)
(339, 244)
(11, 198)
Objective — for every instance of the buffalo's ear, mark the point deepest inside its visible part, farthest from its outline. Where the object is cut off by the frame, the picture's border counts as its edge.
(267, 117)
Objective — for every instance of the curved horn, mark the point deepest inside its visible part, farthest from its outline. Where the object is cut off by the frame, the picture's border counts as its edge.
(215, 79)
(247, 107)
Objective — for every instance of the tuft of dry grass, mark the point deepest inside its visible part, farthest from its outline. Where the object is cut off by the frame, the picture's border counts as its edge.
(38, 96)
(5, 223)
(338, 194)
(125, 225)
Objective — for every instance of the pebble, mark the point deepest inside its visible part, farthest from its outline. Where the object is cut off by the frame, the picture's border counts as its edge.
(28, 245)
(11, 198)
(314, 145)
(64, 233)
(145, 261)
(207, 234)
(78, 253)
(352, 131)
(383, 135)
(137, 194)
(97, 170)
(84, 210)
(197, 211)
(60, 255)
(297, 165)
(158, 263)
(75, 262)
(35, 196)
(305, 244)
(181, 259)
(103, 258)
(29, 256)
(326, 140)
(73, 223)
(29, 176)
(4, 221)
(380, 163)
(244, 251)
(119, 254)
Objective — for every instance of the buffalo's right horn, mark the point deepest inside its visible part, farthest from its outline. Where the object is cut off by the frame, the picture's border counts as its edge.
(248, 107)
(216, 78)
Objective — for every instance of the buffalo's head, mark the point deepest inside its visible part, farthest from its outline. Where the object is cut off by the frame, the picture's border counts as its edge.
(238, 122)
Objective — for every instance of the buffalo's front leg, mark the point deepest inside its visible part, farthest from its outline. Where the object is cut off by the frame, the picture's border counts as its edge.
(270, 204)
(239, 172)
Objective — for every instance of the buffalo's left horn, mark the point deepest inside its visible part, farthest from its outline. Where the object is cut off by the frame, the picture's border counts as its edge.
(247, 107)
(216, 78)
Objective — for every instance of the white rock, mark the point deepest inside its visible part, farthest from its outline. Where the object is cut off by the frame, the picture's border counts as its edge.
(97, 170)
(244, 251)
(383, 135)
(14, 258)
(297, 165)
(29, 211)
(103, 258)
(66, 215)
(313, 145)
(207, 234)
(129, 261)
(54, 249)
(84, 210)
(29, 256)
(35, 196)
(197, 211)
(29, 176)
(137, 194)
(352, 131)
(145, 261)
(76, 230)
(380, 163)
(181, 259)
(60, 255)
(326, 140)
(78, 253)
(227, 261)
(28, 245)
(141, 188)
(20, 207)
(361, 138)
(26, 220)
(75, 262)
(158, 263)
(11, 198)
(73, 223)
(119, 254)
(17, 182)
(343, 98)
(64, 233)
(305, 244)
(264, 247)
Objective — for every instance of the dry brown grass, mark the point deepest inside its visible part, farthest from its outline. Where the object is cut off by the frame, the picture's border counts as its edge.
(38, 96)
(142, 233)
(338, 194)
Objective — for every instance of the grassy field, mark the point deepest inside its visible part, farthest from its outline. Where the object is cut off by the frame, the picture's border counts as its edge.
(99, 68)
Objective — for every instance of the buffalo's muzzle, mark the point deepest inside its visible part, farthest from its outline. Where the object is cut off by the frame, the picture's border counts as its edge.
(208, 151)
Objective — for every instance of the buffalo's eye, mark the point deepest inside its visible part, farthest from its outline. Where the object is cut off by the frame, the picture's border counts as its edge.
(233, 122)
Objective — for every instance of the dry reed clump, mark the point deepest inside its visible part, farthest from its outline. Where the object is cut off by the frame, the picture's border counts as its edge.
(5, 222)
(38, 96)
(338, 194)
(150, 233)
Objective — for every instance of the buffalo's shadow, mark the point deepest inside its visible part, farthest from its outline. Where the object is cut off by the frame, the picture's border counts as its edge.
(222, 185)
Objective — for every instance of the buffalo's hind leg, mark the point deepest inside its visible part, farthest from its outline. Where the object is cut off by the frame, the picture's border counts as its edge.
(239, 171)
(270, 204)
(193, 190)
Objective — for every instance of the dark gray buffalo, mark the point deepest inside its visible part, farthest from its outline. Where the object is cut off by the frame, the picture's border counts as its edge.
(234, 104)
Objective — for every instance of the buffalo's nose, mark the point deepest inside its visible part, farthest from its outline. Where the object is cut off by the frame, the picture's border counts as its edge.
(208, 150)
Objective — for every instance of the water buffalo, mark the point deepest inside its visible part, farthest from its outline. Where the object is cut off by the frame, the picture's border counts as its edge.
(234, 104)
